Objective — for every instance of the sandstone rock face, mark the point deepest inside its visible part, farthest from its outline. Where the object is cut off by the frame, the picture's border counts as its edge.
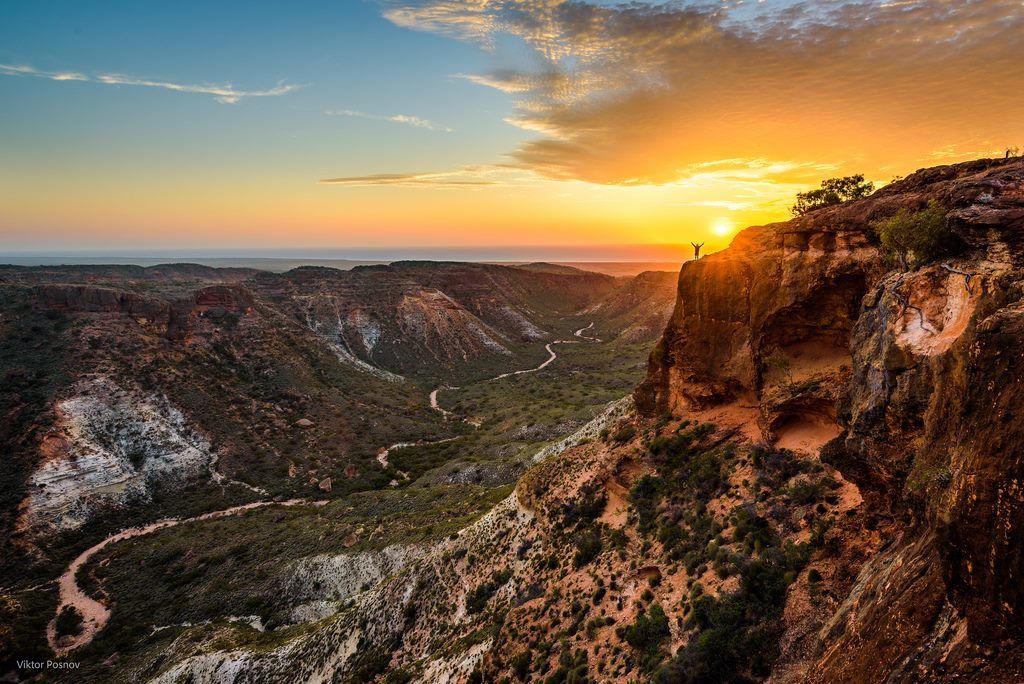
(781, 296)
(173, 318)
(921, 374)
(234, 298)
(95, 299)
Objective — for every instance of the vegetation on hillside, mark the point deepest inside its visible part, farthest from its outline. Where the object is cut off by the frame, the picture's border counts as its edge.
(911, 239)
(832, 191)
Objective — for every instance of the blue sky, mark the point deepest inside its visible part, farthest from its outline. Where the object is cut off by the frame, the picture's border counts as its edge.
(340, 55)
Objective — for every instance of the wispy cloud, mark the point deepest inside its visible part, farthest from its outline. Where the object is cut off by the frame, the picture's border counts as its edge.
(638, 92)
(434, 180)
(471, 176)
(404, 119)
(224, 93)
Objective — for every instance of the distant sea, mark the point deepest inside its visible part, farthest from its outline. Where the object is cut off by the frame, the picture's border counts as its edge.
(279, 264)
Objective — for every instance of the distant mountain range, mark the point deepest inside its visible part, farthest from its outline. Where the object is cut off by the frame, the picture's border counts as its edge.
(283, 264)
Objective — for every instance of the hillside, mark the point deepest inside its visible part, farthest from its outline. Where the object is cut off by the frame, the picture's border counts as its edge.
(818, 484)
(815, 481)
(135, 394)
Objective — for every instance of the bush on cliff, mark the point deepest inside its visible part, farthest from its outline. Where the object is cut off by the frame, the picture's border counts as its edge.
(913, 238)
(737, 633)
(647, 634)
(832, 191)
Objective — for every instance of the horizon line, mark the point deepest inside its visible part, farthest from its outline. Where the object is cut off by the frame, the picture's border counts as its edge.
(609, 253)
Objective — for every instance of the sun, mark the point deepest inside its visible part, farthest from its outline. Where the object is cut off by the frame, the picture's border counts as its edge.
(721, 227)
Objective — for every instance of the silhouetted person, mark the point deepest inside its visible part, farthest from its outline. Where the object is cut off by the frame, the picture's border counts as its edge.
(696, 250)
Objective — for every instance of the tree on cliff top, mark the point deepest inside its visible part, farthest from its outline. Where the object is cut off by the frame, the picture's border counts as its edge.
(913, 238)
(832, 191)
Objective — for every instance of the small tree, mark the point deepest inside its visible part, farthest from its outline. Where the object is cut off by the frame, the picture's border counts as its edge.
(833, 191)
(913, 238)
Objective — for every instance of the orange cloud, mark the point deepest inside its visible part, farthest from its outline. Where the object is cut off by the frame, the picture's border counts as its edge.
(638, 93)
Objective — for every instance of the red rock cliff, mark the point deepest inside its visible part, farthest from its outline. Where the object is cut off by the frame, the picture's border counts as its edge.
(919, 376)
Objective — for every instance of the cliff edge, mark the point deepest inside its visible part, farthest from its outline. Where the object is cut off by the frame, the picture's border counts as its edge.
(802, 335)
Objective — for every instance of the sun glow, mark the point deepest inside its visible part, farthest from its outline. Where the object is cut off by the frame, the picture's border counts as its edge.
(722, 227)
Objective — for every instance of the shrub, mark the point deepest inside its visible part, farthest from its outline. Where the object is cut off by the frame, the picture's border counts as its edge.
(477, 599)
(649, 630)
(670, 536)
(521, 665)
(913, 238)
(752, 530)
(572, 668)
(399, 677)
(833, 191)
(587, 508)
(69, 622)
(807, 491)
(588, 546)
(644, 496)
(624, 434)
(703, 475)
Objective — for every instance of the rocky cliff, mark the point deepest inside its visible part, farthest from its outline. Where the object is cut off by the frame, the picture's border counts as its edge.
(801, 334)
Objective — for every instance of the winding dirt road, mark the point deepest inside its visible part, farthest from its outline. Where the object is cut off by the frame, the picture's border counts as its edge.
(579, 333)
(95, 614)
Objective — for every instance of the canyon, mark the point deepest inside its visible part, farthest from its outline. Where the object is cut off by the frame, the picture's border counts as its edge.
(790, 462)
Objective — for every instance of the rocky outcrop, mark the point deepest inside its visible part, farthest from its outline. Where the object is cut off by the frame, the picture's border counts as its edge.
(920, 376)
(172, 317)
(97, 299)
(109, 446)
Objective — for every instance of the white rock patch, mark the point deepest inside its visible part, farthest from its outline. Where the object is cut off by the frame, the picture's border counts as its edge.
(118, 443)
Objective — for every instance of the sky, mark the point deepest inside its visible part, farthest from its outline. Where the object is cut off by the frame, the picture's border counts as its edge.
(572, 128)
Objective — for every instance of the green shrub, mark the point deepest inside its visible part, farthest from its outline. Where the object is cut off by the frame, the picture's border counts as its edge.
(588, 547)
(833, 191)
(521, 665)
(670, 536)
(805, 492)
(624, 433)
(69, 622)
(572, 668)
(586, 508)
(644, 496)
(703, 475)
(649, 630)
(911, 239)
(477, 599)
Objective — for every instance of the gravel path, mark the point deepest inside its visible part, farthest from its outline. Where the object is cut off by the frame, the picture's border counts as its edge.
(94, 613)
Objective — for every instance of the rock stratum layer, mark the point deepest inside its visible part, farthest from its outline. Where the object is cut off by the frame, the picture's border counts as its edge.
(911, 381)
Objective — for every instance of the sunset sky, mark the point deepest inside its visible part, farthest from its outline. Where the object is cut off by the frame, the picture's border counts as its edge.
(387, 124)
